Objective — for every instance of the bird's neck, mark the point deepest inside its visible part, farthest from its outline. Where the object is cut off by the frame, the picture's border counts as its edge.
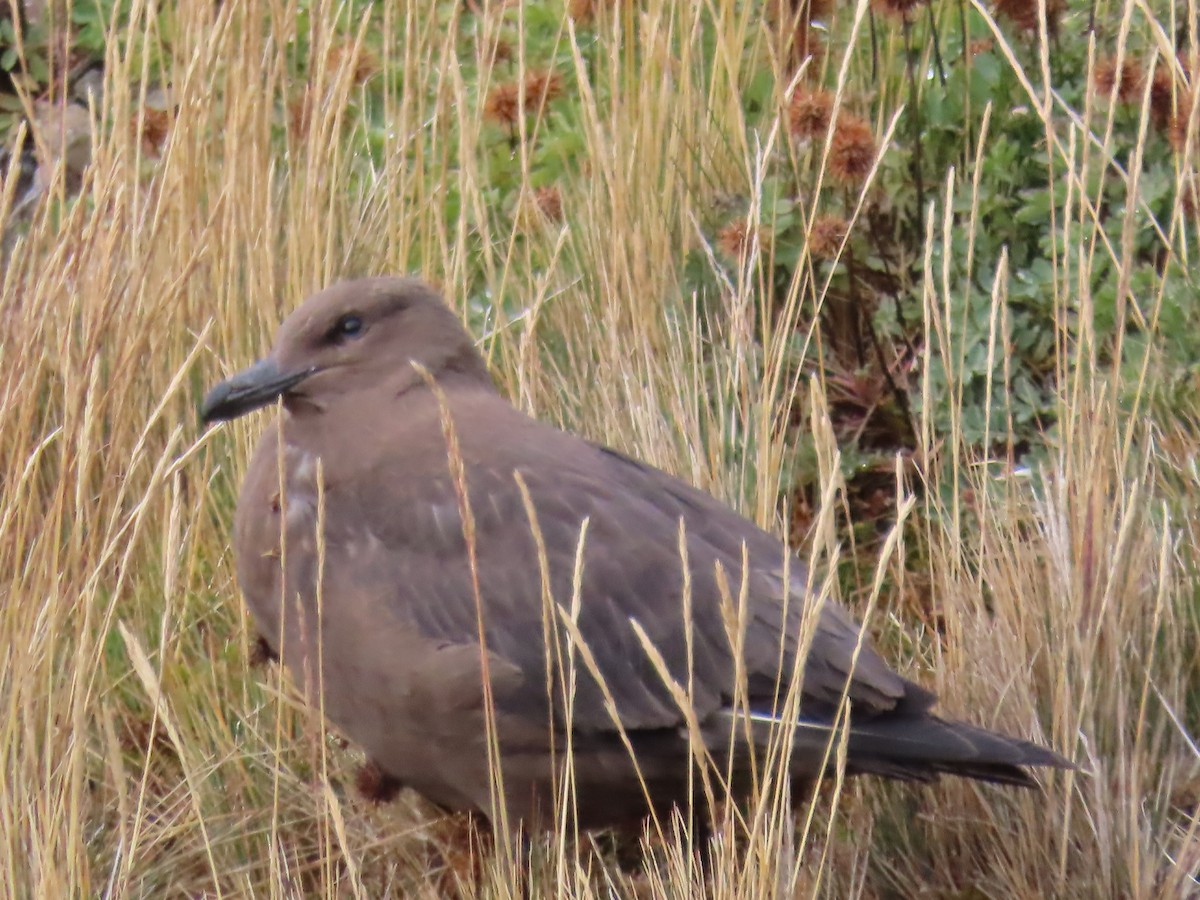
(361, 424)
(459, 371)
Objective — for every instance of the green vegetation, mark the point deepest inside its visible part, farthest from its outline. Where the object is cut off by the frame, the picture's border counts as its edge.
(819, 259)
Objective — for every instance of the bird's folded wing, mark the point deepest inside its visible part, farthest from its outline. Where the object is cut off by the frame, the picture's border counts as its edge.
(525, 530)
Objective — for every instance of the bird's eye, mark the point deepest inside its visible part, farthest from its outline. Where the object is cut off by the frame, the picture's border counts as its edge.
(348, 326)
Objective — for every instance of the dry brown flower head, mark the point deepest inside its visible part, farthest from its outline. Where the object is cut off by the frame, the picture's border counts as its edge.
(1162, 96)
(852, 150)
(1189, 194)
(503, 104)
(1177, 129)
(299, 114)
(584, 12)
(900, 10)
(1123, 83)
(737, 238)
(549, 202)
(1025, 14)
(361, 61)
(809, 112)
(537, 208)
(826, 235)
(499, 51)
(155, 129)
(980, 45)
(541, 87)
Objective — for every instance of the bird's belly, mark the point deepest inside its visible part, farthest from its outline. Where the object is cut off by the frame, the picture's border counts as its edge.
(414, 708)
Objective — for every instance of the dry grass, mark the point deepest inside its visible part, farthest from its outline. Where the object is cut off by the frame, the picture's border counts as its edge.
(141, 755)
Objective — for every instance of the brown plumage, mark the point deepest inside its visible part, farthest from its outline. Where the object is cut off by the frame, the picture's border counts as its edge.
(400, 668)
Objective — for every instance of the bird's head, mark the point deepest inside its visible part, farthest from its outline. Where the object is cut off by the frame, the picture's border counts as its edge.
(353, 337)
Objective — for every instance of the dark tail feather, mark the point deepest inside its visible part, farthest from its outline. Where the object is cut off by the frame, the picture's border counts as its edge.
(925, 747)
(914, 747)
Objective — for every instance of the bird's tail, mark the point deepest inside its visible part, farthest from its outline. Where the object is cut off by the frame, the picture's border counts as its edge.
(923, 748)
(917, 747)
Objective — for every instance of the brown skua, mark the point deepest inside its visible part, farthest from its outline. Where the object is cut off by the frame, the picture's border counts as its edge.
(379, 583)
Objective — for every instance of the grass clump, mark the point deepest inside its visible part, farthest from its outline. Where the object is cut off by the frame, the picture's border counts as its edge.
(830, 262)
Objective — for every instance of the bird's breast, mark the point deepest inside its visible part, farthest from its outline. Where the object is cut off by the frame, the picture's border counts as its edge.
(302, 489)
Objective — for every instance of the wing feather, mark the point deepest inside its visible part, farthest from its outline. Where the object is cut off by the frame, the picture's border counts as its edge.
(631, 570)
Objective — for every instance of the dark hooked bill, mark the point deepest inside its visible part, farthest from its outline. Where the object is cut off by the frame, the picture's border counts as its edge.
(253, 388)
